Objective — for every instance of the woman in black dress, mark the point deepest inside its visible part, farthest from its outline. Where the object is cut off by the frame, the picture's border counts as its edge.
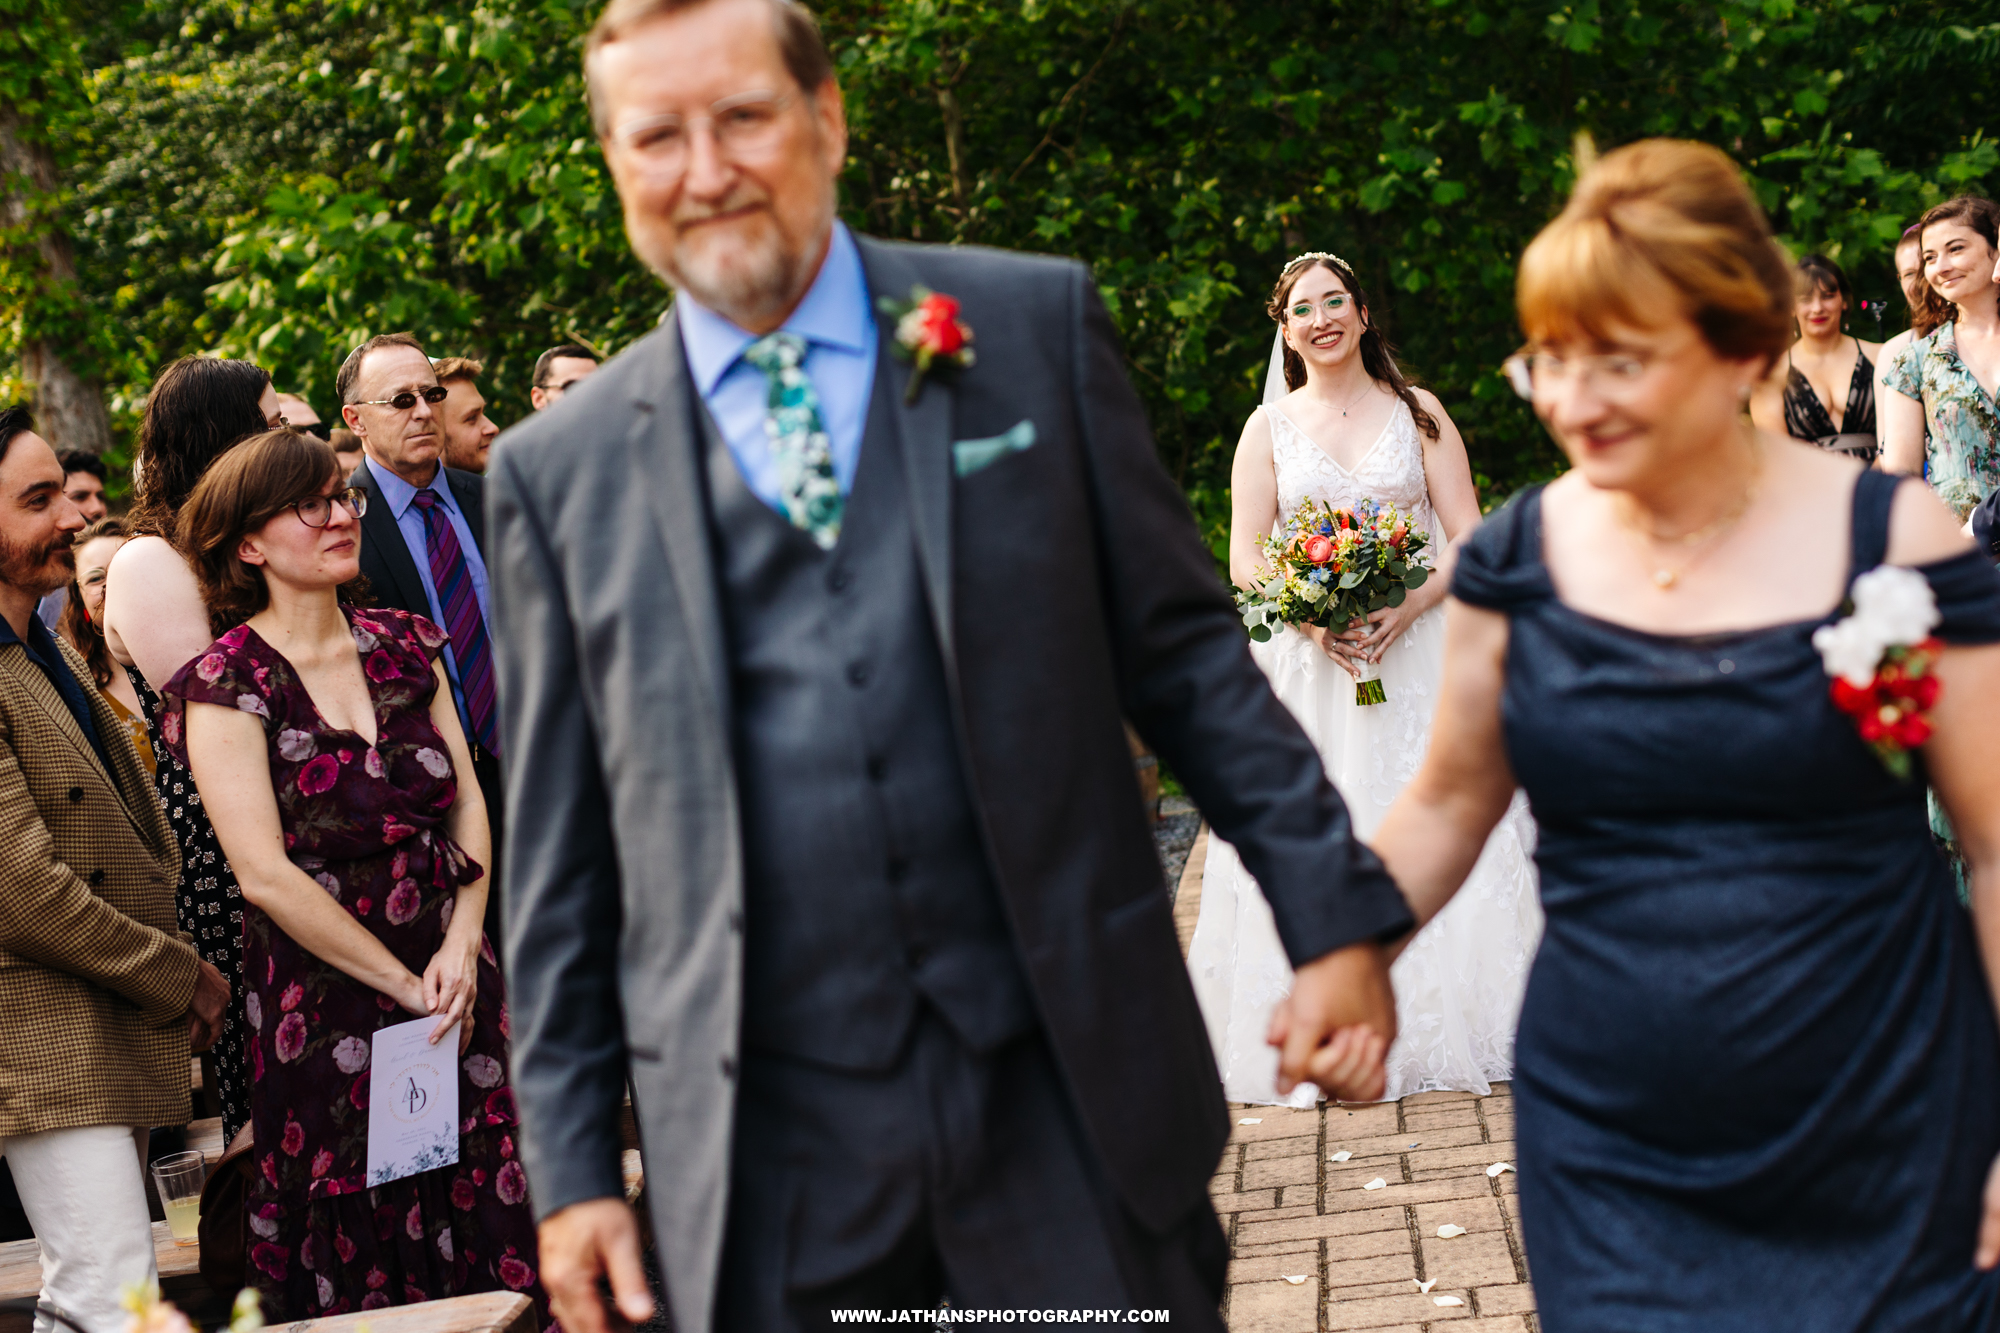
(1827, 397)
(154, 620)
(1758, 1070)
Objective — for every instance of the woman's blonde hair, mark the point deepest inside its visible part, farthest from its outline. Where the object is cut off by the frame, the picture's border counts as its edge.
(1656, 230)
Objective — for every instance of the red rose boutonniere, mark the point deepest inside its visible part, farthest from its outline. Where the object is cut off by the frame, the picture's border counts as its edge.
(928, 333)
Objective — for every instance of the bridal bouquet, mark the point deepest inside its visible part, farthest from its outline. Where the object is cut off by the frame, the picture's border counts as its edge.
(1330, 567)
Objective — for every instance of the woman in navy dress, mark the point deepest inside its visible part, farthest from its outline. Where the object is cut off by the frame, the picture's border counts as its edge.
(1758, 1067)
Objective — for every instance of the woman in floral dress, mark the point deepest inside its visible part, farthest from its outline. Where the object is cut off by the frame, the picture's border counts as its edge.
(1942, 421)
(327, 753)
(1941, 377)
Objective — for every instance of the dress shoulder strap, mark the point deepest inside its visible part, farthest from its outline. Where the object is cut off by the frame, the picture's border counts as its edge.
(1500, 566)
(1868, 540)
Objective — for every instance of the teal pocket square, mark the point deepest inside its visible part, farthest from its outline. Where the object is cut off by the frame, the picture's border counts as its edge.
(968, 456)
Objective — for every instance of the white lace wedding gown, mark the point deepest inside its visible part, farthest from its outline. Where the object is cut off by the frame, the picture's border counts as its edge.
(1458, 985)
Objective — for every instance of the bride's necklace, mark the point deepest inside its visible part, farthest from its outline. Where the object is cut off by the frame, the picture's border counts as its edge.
(1702, 539)
(1367, 383)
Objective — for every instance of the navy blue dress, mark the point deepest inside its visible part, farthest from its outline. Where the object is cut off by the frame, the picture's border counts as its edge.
(1758, 1071)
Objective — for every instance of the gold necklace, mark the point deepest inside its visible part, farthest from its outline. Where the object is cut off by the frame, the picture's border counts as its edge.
(1664, 576)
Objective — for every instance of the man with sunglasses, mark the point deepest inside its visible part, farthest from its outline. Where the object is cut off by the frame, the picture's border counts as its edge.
(423, 537)
(559, 370)
(299, 415)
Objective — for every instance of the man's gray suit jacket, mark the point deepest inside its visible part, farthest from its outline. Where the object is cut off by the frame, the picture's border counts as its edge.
(1070, 588)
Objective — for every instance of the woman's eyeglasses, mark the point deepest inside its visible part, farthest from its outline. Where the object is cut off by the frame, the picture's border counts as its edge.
(407, 399)
(1614, 376)
(316, 511)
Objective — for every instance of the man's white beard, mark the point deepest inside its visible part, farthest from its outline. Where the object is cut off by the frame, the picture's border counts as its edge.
(745, 286)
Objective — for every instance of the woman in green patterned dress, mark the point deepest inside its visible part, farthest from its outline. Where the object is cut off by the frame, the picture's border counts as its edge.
(1947, 376)
(1946, 380)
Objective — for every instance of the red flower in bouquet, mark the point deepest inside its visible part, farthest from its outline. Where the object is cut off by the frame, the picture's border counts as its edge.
(1317, 549)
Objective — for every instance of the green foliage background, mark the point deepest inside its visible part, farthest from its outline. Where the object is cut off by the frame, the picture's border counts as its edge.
(276, 178)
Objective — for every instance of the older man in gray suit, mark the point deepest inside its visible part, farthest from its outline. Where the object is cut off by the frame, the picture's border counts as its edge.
(813, 644)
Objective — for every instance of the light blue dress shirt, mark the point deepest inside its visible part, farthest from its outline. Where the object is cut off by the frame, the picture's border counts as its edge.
(838, 323)
(401, 497)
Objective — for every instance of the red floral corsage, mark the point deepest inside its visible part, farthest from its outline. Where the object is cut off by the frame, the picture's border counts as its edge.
(928, 333)
(1882, 660)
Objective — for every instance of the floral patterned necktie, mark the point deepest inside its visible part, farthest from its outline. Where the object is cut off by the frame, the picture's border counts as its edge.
(807, 486)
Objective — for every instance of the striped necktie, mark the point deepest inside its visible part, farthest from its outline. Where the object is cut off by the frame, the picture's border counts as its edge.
(452, 578)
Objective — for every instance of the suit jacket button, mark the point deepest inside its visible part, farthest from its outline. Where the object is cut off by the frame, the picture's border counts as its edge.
(96, 878)
(76, 796)
(838, 580)
(736, 922)
(857, 674)
(729, 1067)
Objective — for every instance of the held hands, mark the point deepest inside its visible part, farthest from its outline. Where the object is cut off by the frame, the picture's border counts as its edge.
(1370, 638)
(451, 985)
(207, 1008)
(586, 1241)
(1335, 1028)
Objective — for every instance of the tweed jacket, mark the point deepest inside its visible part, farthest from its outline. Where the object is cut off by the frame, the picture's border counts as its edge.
(95, 978)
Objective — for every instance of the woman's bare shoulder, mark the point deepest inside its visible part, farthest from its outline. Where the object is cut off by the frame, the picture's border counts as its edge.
(150, 555)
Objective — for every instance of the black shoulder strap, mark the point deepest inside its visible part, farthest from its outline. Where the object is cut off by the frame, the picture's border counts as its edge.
(1868, 542)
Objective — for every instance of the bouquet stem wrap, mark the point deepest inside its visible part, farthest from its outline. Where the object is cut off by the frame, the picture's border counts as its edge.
(1331, 567)
(1368, 685)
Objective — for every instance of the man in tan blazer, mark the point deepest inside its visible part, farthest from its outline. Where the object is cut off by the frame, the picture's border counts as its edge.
(101, 997)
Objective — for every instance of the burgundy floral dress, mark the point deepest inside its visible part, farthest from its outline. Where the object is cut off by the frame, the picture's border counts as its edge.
(368, 823)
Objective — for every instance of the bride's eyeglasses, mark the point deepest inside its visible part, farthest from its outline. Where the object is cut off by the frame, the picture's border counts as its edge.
(1333, 304)
(316, 511)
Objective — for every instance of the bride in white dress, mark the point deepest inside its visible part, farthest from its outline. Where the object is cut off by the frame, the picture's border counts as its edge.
(1352, 429)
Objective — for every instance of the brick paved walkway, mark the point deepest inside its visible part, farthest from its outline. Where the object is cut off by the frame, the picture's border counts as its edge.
(1361, 1255)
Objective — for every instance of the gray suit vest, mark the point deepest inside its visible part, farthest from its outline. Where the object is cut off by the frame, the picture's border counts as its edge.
(867, 890)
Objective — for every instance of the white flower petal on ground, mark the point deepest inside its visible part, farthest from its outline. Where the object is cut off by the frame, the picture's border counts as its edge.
(1425, 1287)
(1450, 1230)
(1293, 1280)
(1446, 1300)
(1252, 1120)
(1340, 1156)
(1376, 1184)
(1493, 1171)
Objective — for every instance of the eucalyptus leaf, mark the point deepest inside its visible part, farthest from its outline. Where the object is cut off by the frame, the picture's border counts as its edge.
(1396, 595)
(1417, 577)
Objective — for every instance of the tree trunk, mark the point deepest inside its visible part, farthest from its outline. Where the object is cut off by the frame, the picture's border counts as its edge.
(69, 409)
(954, 147)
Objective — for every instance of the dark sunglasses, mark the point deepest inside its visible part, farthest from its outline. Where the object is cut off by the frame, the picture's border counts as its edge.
(319, 428)
(316, 511)
(407, 399)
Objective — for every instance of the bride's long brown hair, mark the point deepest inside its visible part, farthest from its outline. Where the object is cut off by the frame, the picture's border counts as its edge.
(1378, 358)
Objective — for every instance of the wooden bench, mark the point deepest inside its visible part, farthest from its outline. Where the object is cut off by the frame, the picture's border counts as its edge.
(489, 1312)
(180, 1276)
(180, 1265)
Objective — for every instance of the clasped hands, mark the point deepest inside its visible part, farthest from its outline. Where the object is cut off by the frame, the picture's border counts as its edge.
(1335, 1028)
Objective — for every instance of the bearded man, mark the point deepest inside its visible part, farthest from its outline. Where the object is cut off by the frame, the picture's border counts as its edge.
(102, 996)
(814, 637)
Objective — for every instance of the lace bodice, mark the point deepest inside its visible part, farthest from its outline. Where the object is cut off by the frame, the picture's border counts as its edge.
(1391, 472)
